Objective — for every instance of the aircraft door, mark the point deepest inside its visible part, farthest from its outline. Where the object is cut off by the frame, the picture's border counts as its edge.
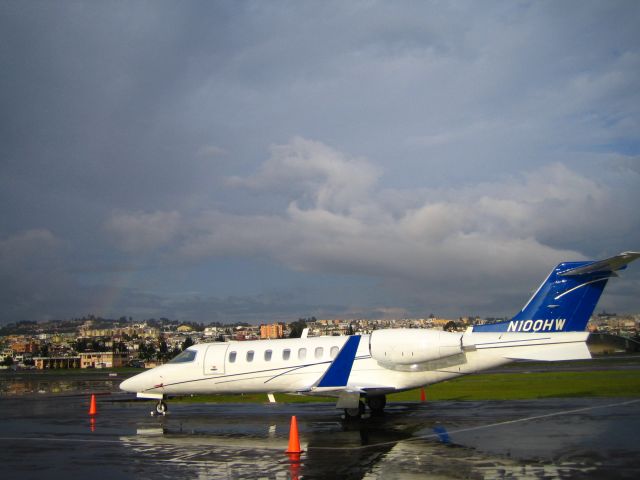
(215, 359)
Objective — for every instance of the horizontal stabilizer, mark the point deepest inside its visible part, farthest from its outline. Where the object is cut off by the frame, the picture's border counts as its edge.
(603, 266)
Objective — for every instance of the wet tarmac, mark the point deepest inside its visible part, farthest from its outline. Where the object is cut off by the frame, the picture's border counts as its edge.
(26, 382)
(52, 436)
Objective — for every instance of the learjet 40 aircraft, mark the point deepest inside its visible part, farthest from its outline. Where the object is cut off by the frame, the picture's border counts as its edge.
(550, 327)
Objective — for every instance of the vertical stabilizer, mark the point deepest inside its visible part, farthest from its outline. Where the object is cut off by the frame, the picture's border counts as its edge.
(566, 299)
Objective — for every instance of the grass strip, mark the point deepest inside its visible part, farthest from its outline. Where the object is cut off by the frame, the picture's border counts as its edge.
(516, 386)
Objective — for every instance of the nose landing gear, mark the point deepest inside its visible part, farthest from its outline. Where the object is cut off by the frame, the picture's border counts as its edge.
(161, 408)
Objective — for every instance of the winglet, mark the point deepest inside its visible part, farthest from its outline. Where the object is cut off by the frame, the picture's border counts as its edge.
(337, 375)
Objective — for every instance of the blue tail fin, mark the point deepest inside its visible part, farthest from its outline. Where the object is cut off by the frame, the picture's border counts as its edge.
(566, 299)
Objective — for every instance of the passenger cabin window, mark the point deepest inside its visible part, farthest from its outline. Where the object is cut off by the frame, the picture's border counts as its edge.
(184, 357)
(232, 357)
(250, 356)
(302, 353)
(318, 352)
(267, 355)
(286, 353)
(334, 352)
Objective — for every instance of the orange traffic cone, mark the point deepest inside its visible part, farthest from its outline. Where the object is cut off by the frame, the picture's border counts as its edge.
(423, 397)
(294, 440)
(93, 410)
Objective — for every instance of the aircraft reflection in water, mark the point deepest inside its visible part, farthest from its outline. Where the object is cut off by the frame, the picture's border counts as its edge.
(550, 327)
(382, 447)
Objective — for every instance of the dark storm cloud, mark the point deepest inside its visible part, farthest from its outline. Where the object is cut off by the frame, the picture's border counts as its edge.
(362, 138)
(87, 89)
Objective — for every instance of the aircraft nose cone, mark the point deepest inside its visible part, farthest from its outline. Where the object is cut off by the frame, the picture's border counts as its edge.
(129, 385)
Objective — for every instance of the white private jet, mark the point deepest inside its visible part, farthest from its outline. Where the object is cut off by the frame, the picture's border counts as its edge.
(550, 327)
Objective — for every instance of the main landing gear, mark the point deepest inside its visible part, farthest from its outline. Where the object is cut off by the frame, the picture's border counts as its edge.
(354, 413)
(376, 405)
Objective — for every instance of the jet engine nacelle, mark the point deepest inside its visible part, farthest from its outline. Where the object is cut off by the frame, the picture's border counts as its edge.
(406, 346)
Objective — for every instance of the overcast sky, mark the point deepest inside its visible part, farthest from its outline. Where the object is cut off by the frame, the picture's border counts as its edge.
(255, 161)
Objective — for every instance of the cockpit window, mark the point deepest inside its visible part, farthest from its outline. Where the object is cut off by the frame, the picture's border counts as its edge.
(185, 357)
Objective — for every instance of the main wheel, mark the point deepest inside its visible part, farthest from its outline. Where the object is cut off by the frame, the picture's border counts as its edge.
(377, 404)
(354, 413)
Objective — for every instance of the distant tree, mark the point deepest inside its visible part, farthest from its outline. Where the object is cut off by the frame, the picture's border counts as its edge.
(297, 327)
(187, 343)
(450, 326)
(146, 351)
(80, 345)
(98, 346)
(163, 349)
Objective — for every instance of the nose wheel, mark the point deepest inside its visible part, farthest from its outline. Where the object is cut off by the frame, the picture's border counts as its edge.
(161, 408)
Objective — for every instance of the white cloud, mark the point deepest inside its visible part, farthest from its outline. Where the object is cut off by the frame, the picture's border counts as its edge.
(493, 230)
(316, 174)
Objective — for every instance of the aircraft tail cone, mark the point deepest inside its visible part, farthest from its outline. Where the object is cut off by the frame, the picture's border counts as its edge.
(93, 409)
(423, 396)
(294, 440)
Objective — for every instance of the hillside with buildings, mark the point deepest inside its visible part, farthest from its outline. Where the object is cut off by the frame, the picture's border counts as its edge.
(94, 342)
